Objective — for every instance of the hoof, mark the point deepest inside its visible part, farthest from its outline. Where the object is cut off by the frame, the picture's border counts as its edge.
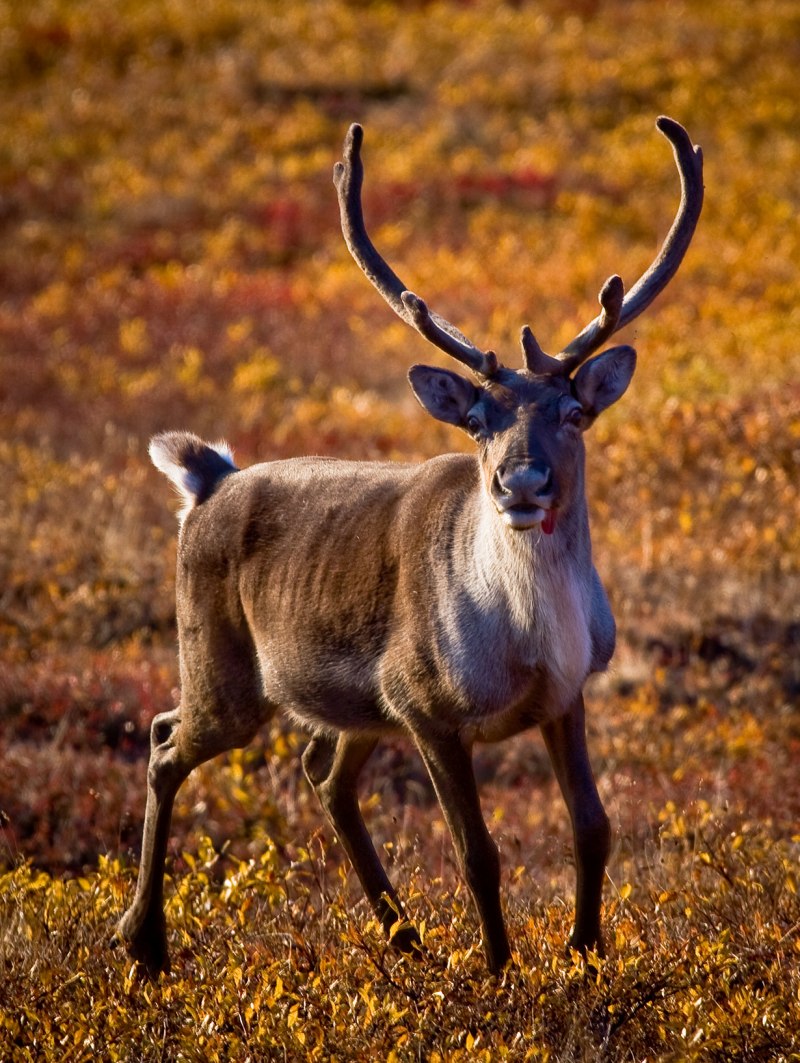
(147, 946)
(406, 939)
(585, 949)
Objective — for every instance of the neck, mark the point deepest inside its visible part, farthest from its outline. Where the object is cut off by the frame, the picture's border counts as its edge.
(543, 585)
(522, 571)
(496, 548)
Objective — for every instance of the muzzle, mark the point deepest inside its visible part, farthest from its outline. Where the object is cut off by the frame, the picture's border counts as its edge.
(524, 496)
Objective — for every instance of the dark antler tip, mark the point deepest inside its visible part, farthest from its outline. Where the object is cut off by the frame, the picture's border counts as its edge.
(350, 172)
(681, 142)
(354, 138)
(612, 293)
(530, 345)
(673, 131)
(415, 306)
(412, 301)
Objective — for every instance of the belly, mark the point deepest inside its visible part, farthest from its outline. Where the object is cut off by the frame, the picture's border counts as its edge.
(337, 693)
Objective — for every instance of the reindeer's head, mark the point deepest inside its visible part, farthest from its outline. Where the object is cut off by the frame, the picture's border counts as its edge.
(528, 428)
(528, 423)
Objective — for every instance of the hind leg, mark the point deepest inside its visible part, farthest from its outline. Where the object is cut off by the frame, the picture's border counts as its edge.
(172, 758)
(222, 707)
(332, 766)
(143, 926)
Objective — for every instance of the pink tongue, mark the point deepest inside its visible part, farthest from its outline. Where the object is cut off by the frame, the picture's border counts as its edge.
(549, 522)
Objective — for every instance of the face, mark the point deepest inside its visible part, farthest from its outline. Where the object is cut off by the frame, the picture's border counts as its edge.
(528, 429)
(529, 435)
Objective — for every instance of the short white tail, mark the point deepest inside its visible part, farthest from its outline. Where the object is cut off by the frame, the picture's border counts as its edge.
(194, 467)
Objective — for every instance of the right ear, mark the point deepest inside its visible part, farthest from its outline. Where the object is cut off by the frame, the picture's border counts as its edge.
(446, 396)
(603, 380)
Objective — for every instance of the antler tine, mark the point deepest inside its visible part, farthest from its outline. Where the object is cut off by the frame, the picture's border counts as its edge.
(348, 176)
(598, 331)
(534, 357)
(689, 160)
(447, 337)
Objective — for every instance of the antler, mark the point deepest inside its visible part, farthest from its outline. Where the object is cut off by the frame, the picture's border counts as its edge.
(618, 312)
(348, 176)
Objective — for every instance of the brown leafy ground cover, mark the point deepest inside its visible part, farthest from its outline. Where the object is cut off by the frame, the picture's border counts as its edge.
(171, 258)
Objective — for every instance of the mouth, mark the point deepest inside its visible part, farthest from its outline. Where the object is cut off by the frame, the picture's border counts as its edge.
(524, 516)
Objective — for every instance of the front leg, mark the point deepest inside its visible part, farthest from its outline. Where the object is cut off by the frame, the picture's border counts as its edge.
(449, 765)
(332, 766)
(566, 743)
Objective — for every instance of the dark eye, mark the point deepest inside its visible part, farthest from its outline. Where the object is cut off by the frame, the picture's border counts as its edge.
(474, 426)
(572, 415)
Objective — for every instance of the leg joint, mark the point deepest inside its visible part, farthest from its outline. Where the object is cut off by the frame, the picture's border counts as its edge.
(162, 728)
(317, 761)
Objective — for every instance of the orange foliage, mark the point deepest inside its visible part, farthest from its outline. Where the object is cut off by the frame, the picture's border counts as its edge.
(171, 258)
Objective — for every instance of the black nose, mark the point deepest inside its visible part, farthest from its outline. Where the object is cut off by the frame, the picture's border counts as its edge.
(529, 482)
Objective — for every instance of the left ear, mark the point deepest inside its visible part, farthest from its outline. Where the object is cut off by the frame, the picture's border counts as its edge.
(599, 383)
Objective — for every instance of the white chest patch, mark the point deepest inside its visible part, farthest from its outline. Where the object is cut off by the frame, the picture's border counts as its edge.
(562, 605)
(527, 612)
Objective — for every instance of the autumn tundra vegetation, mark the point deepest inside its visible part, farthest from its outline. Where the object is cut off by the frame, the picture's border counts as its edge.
(172, 259)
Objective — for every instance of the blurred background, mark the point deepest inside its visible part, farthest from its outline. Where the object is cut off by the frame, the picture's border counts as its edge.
(171, 258)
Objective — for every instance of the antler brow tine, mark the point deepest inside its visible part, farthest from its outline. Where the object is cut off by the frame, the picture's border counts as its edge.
(348, 176)
(534, 357)
(598, 331)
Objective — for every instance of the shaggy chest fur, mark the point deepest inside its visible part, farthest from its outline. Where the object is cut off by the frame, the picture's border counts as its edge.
(519, 633)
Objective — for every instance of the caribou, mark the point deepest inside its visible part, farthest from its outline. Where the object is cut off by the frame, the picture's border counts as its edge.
(454, 601)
